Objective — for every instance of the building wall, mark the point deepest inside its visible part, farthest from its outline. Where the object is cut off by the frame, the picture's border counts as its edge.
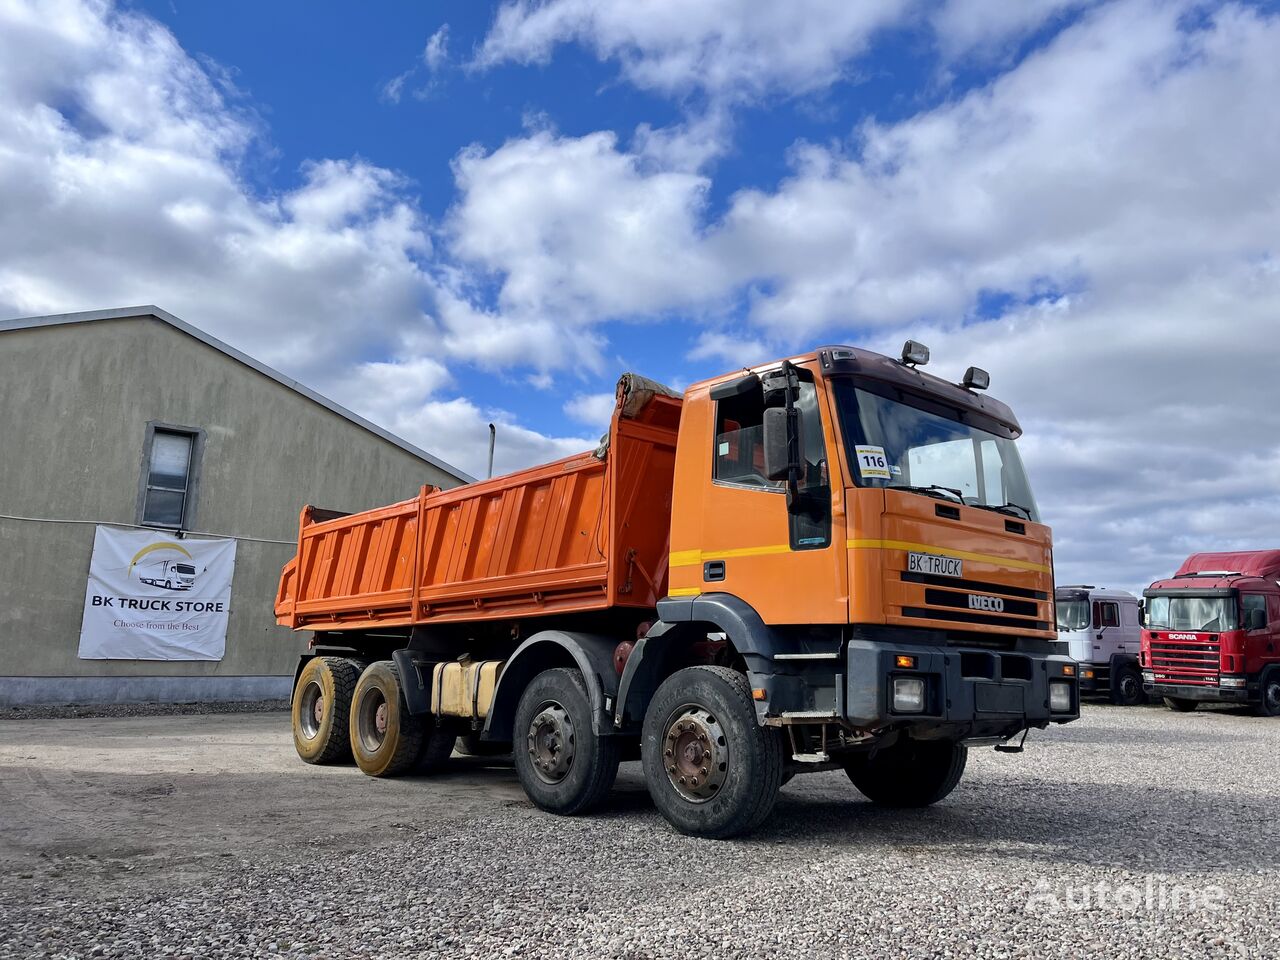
(77, 400)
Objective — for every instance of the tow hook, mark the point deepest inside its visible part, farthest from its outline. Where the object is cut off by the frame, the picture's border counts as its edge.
(1008, 747)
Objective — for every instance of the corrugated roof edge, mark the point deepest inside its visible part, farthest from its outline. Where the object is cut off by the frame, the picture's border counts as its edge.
(164, 316)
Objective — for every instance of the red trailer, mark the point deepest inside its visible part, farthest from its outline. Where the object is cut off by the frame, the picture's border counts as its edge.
(1212, 632)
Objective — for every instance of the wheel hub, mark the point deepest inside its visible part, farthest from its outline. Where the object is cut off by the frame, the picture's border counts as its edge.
(695, 754)
(1272, 694)
(311, 710)
(551, 742)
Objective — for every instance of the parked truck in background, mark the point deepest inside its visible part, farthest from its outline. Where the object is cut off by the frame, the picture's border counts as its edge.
(1212, 632)
(1103, 634)
(832, 561)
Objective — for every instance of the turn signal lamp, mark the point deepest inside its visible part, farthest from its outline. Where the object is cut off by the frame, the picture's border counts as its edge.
(903, 662)
(1069, 670)
(759, 694)
(915, 354)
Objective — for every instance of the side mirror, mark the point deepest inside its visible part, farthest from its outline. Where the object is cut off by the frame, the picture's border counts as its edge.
(736, 388)
(778, 464)
(1257, 620)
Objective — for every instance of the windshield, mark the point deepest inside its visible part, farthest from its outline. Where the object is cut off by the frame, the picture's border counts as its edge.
(1073, 614)
(1214, 614)
(895, 444)
(185, 568)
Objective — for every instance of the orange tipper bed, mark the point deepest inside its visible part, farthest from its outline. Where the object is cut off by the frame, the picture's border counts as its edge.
(584, 533)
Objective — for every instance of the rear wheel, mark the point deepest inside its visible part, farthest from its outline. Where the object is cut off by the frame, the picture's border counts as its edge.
(562, 764)
(911, 773)
(711, 769)
(385, 738)
(1268, 704)
(1126, 686)
(1180, 704)
(321, 708)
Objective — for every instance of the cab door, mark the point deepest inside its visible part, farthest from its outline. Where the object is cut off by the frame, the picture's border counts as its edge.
(788, 564)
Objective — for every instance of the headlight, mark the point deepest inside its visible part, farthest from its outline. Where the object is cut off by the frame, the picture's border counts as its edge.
(1059, 696)
(908, 695)
(1148, 676)
(1231, 681)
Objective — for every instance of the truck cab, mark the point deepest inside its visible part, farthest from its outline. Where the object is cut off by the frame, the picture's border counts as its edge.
(1212, 632)
(1103, 632)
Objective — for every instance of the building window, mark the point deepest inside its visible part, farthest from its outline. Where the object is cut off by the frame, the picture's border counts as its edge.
(171, 456)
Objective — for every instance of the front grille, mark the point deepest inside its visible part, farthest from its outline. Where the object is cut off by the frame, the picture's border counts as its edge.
(957, 616)
(1194, 663)
(977, 586)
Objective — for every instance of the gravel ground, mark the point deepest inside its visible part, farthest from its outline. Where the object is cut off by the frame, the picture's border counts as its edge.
(66, 711)
(204, 836)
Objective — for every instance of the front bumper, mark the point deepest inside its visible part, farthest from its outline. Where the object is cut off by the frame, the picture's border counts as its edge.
(970, 692)
(1200, 694)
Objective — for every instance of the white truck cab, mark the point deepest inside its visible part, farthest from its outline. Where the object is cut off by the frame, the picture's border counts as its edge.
(1103, 632)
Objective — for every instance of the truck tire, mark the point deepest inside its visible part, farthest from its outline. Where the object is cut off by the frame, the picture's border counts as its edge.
(1180, 704)
(386, 739)
(1126, 686)
(911, 773)
(562, 765)
(1268, 704)
(321, 708)
(711, 768)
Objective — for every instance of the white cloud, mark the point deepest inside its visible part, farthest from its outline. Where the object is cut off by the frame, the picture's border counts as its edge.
(985, 27)
(593, 409)
(574, 231)
(729, 49)
(436, 53)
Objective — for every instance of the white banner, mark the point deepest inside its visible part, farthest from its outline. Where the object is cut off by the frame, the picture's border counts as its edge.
(152, 596)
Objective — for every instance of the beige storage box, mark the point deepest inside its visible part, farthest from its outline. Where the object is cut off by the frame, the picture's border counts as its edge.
(464, 688)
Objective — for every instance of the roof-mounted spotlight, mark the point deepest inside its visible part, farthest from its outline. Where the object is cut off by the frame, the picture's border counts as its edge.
(975, 378)
(915, 354)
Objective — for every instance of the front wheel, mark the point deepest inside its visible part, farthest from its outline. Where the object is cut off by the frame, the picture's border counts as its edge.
(1180, 704)
(1126, 687)
(711, 769)
(563, 765)
(1268, 704)
(911, 773)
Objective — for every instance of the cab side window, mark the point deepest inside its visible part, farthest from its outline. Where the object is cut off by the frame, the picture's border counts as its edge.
(1106, 614)
(739, 453)
(1251, 602)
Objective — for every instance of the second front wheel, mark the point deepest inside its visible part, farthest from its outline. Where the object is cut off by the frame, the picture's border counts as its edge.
(563, 764)
(711, 769)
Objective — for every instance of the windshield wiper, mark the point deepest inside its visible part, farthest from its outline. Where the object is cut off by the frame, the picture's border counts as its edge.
(1003, 508)
(930, 489)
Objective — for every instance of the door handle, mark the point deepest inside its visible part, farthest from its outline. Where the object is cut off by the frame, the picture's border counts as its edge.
(713, 570)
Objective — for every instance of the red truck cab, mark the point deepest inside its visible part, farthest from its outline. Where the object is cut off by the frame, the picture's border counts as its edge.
(1211, 632)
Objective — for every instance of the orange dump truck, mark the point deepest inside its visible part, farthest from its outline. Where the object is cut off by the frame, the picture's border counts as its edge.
(830, 561)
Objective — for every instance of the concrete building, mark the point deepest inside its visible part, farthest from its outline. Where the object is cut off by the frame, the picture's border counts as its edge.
(133, 417)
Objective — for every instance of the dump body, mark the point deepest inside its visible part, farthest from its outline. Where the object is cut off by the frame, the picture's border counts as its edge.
(1212, 629)
(588, 532)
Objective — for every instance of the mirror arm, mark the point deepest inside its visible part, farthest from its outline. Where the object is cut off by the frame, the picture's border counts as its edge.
(793, 437)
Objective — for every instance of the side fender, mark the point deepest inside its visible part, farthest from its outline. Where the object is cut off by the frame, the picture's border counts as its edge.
(591, 653)
(679, 624)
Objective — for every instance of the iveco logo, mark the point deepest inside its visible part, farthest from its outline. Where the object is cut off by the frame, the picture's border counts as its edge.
(993, 604)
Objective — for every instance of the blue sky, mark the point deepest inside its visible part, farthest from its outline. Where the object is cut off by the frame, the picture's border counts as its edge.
(449, 213)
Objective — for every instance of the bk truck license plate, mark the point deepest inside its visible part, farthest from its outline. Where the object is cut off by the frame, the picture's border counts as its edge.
(932, 563)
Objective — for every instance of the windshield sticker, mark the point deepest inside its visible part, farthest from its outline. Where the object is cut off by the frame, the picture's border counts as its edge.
(872, 463)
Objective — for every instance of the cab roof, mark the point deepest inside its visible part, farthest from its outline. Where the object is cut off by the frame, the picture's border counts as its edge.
(1223, 571)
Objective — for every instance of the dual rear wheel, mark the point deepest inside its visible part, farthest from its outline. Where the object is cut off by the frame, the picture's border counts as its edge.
(343, 710)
